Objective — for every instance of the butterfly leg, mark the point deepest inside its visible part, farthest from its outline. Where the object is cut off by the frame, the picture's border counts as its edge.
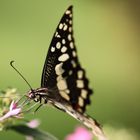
(30, 108)
(22, 102)
(40, 100)
(38, 108)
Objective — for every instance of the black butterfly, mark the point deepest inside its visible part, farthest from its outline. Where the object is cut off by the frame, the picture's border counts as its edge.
(64, 83)
(63, 78)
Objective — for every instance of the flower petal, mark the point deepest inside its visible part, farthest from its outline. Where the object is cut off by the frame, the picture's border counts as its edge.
(15, 112)
(29, 138)
(33, 123)
(80, 133)
(11, 113)
(13, 105)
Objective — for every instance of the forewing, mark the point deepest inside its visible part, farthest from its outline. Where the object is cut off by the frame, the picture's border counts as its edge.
(62, 69)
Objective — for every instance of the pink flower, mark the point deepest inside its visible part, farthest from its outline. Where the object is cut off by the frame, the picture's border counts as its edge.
(13, 105)
(14, 111)
(33, 123)
(80, 133)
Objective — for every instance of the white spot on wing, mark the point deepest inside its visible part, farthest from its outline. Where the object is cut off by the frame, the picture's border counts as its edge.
(80, 83)
(59, 77)
(63, 41)
(62, 85)
(73, 63)
(80, 74)
(58, 45)
(56, 33)
(58, 69)
(67, 91)
(52, 49)
(63, 57)
(58, 36)
(71, 45)
(60, 26)
(84, 93)
(80, 101)
(69, 37)
(65, 27)
(70, 29)
(63, 49)
(70, 22)
(68, 12)
(64, 95)
(74, 53)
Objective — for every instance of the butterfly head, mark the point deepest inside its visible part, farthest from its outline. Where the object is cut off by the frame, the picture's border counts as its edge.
(31, 94)
(37, 94)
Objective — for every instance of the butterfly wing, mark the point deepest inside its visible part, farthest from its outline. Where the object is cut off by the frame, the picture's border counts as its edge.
(62, 68)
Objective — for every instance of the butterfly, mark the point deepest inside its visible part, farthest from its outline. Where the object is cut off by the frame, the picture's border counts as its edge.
(63, 78)
(64, 84)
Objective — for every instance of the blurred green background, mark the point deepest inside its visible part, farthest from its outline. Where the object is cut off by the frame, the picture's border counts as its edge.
(107, 35)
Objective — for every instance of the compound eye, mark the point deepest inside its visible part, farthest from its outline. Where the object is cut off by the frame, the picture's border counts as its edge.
(31, 96)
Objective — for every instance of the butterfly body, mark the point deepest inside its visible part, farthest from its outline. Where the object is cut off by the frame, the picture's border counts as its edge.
(44, 96)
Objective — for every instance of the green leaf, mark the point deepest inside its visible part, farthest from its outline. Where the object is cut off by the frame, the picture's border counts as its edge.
(35, 133)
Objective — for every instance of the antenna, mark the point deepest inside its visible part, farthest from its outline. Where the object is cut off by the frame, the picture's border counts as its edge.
(11, 63)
